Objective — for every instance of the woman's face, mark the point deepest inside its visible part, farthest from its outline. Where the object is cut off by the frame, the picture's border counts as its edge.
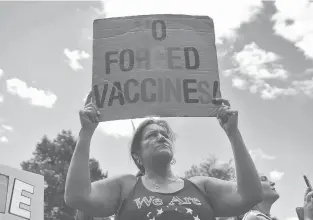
(156, 144)
(269, 191)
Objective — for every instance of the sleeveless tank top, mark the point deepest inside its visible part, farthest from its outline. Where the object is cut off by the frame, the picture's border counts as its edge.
(189, 203)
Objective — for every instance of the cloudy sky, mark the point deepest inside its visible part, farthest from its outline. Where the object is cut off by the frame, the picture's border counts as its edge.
(265, 56)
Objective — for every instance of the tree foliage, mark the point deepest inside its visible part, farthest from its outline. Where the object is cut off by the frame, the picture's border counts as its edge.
(213, 168)
(51, 159)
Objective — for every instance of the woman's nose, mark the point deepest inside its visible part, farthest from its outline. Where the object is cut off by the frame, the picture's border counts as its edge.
(160, 137)
(272, 183)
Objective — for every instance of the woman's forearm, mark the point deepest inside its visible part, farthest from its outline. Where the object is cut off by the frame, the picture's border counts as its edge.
(78, 183)
(248, 181)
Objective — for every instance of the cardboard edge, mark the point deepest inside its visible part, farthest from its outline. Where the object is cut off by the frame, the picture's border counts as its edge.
(148, 15)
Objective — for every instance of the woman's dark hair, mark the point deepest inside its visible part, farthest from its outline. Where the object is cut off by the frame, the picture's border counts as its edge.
(136, 141)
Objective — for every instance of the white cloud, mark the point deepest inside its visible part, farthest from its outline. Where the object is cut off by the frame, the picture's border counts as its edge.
(121, 128)
(237, 12)
(308, 71)
(306, 86)
(256, 69)
(74, 57)
(7, 127)
(4, 139)
(300, 30)
(1, 72)
(255, 63)
(272, 92)
(276, 175)
(35, 96)
(239, 83)
(259, 154)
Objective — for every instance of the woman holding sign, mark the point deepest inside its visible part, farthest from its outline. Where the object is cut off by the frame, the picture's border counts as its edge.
(156, 193)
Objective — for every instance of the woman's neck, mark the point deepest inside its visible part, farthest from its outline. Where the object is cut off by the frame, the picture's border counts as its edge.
(159, 175)
(264, 208)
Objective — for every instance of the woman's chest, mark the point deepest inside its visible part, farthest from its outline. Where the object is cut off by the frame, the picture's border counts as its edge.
(171, 207)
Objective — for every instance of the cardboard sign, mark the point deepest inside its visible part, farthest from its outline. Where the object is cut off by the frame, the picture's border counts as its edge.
(21, 194)
(155, 65)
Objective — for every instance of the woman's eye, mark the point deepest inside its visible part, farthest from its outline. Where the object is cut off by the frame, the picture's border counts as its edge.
(150, 135)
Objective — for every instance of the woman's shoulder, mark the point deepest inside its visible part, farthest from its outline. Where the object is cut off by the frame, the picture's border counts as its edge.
(118, 179)
(254, 215)
(198, 181)
(203, 182)
(125, 182)
(208, 185)
(128, 182)
(127, 177)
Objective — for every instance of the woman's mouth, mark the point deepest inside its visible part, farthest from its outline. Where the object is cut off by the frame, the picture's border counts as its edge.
(164, 144)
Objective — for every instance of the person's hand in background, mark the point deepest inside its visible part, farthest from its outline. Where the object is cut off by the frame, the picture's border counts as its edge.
(308, 205)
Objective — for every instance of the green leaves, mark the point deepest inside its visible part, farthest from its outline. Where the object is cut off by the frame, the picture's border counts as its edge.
(52, 158)
(213, 168)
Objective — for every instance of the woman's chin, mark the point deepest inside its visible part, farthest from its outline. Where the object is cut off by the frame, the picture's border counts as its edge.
(273, 196)
(277, 195)
(163, 155)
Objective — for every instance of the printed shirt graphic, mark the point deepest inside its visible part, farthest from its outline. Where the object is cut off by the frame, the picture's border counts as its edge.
(186, 204)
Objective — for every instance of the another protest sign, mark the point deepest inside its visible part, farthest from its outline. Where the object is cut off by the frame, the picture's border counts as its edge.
(21, 194)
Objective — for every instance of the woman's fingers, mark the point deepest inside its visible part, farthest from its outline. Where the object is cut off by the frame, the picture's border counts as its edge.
(307, 191)
(91, 114)
(83, 115)
(89, 98)
(223, 111)
(92, 111)
(308, 197)
(93, 108)
(91, 105)
(87, 118)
